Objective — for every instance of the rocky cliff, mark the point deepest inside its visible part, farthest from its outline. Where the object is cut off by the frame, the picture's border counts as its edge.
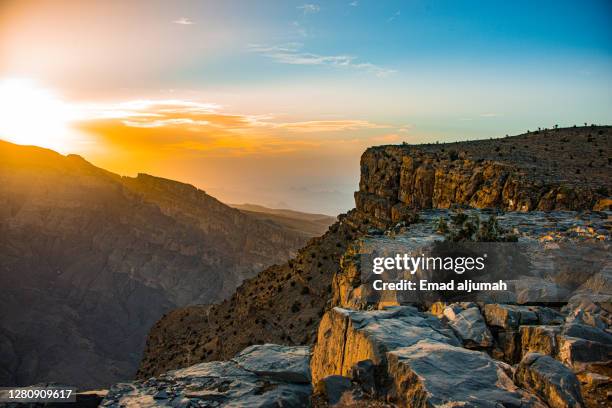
(561, 169)
(90, 260)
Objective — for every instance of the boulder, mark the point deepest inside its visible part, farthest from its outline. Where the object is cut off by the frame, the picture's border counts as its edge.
(579, 316)
(541, 339)
(347, 337)
(584, 355)
(471, 328)
(580, 347)
(551, 380)
(282, 363)
(509, 317)
(584, 331)
(429, 374)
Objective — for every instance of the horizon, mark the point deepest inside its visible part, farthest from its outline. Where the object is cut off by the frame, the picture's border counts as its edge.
(273, 103)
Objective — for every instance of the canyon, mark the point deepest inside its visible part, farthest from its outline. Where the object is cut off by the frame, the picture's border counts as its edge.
(387, 352)
(90, 260)
(308, 332)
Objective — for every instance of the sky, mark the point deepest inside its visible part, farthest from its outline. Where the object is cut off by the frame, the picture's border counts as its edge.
(273, 102)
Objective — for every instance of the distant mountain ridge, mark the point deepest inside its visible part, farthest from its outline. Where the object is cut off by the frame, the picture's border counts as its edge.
(89, 260)
(310, 224)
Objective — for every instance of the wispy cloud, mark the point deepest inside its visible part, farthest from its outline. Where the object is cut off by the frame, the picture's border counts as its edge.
(310, 8)
(490, 115)
(327, 126)
(156, 126)
(175, 112)
(293, 55)
(394, 16)
(354, 3)
(184, 21)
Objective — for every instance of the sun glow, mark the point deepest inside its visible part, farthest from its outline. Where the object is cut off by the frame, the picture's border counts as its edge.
(31, 115)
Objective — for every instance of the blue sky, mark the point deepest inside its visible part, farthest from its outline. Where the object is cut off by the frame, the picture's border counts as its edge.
(282, 85)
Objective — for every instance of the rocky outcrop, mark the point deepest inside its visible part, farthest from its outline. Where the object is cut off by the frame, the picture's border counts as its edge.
(503, 173)
(266, 375)
(410, 358)
(469, 325)
(347, 337)
(417, 360)
(550, 379)
(85, 252)
(437, 374)
(559, 258)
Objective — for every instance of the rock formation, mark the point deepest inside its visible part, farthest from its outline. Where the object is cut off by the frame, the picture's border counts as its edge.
(563, 169)
(260, 376)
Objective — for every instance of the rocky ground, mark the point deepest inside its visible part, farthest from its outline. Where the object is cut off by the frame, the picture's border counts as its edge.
(266, 375)
(400, 356)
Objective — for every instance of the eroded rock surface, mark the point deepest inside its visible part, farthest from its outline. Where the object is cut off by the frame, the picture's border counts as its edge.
(266, 375)
(436, 374)
(550, 379)
(418, 360)
(502, 173)
(347, 337)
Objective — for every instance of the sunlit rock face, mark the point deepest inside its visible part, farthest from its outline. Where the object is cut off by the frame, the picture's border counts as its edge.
(90, 260)
(547, 170)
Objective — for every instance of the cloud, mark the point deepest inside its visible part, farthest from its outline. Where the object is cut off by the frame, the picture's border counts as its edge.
(354, 3)
(202, 126)
(490, 115)
(394, 16)
(327, 126)
(291, 54)
(184, 21)
(309, 8)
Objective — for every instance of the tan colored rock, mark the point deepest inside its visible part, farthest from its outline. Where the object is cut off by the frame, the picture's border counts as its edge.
(347, 337)
(491, 173)
(540, 339)
(549, 379)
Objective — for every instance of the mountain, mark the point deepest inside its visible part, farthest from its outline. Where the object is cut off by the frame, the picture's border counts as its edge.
(560, 169)
(89, 260)
(308, 224)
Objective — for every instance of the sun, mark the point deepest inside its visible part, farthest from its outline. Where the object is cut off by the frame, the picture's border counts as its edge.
(31, 115)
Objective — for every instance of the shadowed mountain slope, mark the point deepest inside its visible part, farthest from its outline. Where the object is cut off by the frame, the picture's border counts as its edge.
(309, 224)
(89, 260)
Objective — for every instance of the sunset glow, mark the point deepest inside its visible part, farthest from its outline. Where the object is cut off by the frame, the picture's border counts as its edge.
(274, 101)
(31, 115)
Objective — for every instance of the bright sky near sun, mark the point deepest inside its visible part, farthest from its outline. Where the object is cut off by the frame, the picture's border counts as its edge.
(274, 101)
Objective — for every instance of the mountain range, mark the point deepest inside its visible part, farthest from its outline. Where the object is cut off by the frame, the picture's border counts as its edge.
(90, 260)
